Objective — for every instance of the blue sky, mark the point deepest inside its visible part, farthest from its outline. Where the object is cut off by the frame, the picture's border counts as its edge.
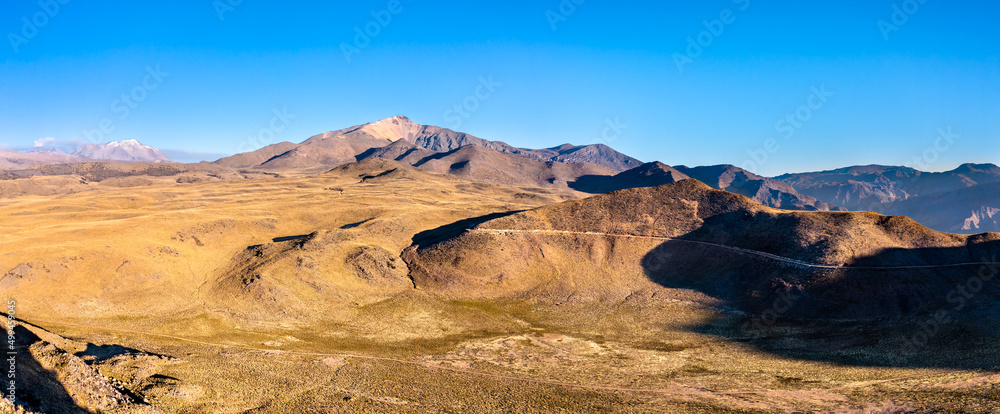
(558, 71)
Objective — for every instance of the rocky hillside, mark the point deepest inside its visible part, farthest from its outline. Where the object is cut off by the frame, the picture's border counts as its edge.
(689, 236)
(479, 163)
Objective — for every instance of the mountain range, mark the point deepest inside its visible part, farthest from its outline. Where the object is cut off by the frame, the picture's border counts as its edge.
(964, 200)
(346, 145)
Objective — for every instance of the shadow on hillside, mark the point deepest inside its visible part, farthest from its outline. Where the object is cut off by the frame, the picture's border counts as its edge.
(101, 353)
(917, 317)
(37, 388)
(289, 238)
(595, 184)
(429, 237)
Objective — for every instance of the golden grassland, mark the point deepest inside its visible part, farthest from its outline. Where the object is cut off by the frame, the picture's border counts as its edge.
(289, 295)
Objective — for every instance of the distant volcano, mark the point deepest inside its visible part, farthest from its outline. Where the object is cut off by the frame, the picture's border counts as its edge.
(130, 150)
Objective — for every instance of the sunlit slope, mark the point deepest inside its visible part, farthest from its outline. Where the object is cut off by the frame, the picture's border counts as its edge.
(288, 250)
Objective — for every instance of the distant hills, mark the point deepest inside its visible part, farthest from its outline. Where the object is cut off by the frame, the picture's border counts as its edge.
(767, 191)
(10, 159)
(126, 151)
(965, 200)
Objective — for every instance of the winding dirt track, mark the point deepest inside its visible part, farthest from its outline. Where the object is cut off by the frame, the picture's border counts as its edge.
(787, 260)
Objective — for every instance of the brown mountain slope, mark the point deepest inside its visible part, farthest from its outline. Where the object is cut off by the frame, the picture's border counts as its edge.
(594, 153)
(480, 163)
(326, 150)
(349, 144)
(255, 158)
(401, 150)
(688, 236)
(646, 175)
(484, 164)
(357, 142)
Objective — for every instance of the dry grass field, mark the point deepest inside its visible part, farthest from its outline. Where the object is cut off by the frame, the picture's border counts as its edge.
(273, 295)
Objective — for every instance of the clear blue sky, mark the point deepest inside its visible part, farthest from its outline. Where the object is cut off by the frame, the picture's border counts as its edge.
(563, 75)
